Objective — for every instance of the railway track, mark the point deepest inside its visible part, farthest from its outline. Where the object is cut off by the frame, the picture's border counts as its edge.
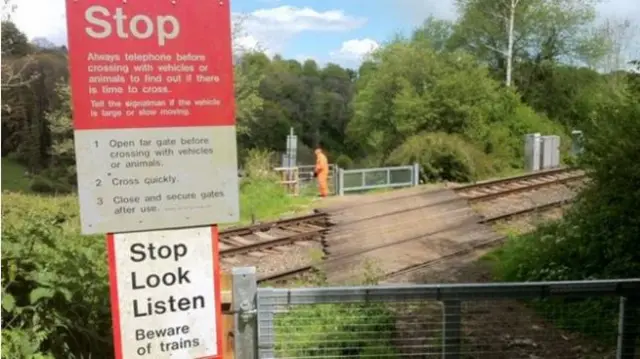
(526, 211)
(268, 235)
(488, 190)
(305, 269)
(264, 236)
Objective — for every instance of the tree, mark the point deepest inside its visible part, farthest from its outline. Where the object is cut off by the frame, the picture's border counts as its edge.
(247, 78)
(490, 27)
(435, 33)
(15, 50)
(415, 89)
(62, 168)
(441, 108)
(505, 32)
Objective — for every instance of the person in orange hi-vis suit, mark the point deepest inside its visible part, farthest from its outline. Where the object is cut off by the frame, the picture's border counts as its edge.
(322, 172)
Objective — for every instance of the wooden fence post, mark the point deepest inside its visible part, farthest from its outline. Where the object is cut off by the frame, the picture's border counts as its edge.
(227, 318)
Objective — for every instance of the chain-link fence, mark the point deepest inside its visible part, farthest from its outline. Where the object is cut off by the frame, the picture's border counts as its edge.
(587, 319)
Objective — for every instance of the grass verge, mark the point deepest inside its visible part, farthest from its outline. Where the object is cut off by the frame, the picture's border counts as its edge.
(266, 200)
(13, 177)
(336, 330)
(595, 317)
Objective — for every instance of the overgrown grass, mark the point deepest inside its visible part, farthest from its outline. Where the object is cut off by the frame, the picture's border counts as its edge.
(13, 176)
(337, 330)
(55, 298)
(597, 238)
(266, 199)
(525, 257)
(261, 196)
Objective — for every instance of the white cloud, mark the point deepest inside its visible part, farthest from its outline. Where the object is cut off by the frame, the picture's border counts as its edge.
(272, 28)
(42, 18)
(625, 9)
(244, 42)
(355, 50)
(293, 19)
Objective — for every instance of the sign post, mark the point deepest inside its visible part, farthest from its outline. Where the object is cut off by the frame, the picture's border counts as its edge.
(155, 142)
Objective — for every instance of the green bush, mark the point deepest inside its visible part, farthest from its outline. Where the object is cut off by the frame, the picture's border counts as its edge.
(46, 185)
(259, 164)
(336, 330)
(504, 139)
(344, 161)
(362, 330)
(55, 294)
(598, 236)
(442, 157)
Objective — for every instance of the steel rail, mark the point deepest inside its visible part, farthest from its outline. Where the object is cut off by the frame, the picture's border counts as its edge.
(261, 227)
(510, 215)
(260, 245)
(505, 180)
(525, 188)
(285, 274)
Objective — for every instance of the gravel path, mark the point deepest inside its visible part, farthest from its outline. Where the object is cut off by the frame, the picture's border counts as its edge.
(277, 259)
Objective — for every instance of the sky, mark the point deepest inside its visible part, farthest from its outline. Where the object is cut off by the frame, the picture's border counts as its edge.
(339, 31)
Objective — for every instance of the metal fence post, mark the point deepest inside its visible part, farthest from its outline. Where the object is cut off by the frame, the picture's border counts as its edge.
(334, 178)
(340, 181)
(628, 327)
(266, 331)
(244, 305)
(451, 332)
(416, 174)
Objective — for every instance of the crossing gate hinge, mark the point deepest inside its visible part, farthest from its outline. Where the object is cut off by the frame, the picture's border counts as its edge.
(247, 311)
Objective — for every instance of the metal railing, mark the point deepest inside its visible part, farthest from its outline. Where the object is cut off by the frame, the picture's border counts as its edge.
(376, 178)
(363, 179)
(494, 320)
(306, 176)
